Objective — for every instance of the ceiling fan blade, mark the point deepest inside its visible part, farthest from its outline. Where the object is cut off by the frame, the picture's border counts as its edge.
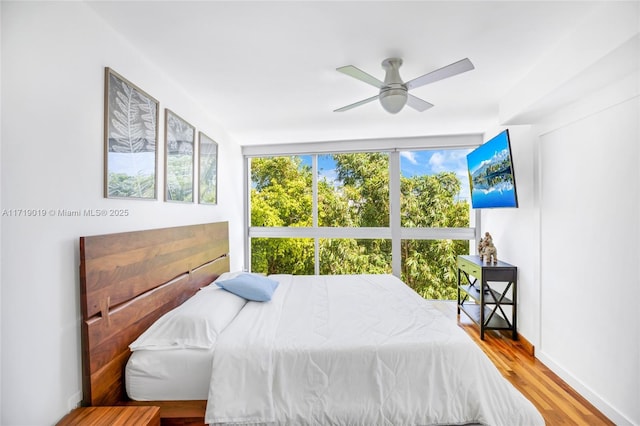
(365, 101)
(357, 73)
(417, 103)
(439, 74)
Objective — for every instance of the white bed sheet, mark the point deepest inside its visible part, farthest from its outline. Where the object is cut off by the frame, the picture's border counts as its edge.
(356, 350)
(168, 375)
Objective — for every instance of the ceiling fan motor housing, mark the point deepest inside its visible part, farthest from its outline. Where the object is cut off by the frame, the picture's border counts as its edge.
(393, 95)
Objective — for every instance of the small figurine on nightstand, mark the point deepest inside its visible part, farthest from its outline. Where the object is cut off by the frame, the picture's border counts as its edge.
(487, 251)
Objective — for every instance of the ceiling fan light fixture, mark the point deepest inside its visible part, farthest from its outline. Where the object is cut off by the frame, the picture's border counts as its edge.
(393, 100)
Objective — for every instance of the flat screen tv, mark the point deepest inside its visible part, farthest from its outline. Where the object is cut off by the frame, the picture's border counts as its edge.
(491, 177)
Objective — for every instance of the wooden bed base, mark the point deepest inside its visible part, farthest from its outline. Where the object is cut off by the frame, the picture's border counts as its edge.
(127, 281)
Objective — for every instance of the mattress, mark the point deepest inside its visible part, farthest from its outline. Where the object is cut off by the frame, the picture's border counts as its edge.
(168, 375)
(355, 350)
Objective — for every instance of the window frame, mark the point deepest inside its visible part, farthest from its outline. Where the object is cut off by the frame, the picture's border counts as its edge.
(395, 232)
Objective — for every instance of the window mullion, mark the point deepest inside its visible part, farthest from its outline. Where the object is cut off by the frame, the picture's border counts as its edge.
(316, 240)
(246, 176)
(394, 212)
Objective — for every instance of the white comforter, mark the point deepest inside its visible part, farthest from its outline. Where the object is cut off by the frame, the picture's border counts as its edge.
(355, 350)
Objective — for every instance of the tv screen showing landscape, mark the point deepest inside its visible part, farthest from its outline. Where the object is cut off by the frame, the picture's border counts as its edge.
(491, 176)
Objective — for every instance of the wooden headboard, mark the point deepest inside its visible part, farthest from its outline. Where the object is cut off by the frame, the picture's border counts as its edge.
(130, 279)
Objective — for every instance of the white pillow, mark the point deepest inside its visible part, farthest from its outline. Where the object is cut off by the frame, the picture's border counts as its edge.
(194, 324)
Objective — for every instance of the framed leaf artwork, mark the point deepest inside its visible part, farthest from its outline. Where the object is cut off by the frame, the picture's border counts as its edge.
(208, 166)
(130, 140)
(179, 157)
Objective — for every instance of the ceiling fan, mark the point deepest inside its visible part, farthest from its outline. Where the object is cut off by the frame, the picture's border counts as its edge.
(393, 92)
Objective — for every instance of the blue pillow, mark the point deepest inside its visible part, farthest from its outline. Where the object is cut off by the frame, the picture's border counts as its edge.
(250, 286)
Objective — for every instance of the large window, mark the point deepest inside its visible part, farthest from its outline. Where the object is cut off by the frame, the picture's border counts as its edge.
(388, 211)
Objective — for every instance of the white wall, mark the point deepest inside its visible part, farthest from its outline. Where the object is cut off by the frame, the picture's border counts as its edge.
(53, 59)
(584, 220)
(575, 240)
(589, 201)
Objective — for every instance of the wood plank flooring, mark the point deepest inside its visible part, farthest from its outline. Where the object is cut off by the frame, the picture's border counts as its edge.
(558, 403)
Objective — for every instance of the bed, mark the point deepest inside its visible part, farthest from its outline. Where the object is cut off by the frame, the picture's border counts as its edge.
(358, 350)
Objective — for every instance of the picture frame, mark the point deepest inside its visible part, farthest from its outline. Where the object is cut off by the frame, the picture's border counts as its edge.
(130, 140)
(208, 170)
(179, 158)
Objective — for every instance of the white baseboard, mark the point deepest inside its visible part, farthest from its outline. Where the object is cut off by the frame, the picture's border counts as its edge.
(74, 401)
(614, 415)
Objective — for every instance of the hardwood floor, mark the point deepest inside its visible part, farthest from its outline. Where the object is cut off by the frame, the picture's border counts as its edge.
(558, 403)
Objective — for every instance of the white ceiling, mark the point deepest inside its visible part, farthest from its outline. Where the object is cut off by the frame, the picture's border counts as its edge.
(265, 71)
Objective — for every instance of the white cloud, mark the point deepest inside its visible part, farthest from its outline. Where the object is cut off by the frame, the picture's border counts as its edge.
(437, 161)
(455, 160)
(410, 156)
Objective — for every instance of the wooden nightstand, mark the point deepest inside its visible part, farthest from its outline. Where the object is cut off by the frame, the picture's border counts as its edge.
(112, 416)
